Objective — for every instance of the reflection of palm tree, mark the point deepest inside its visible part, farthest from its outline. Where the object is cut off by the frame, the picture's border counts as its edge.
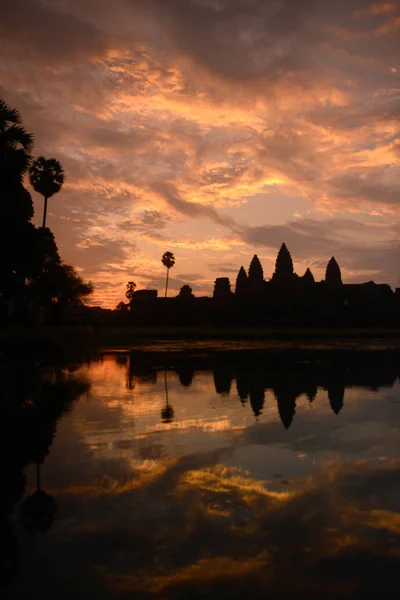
(38, 510)
(130, 383)
(47, 178)
(167, 413)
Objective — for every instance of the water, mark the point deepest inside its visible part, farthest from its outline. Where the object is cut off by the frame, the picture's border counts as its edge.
(275, 475)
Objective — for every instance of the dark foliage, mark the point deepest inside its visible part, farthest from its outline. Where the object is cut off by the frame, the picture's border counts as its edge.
(186, 293)
(32, 276)
(47, 177)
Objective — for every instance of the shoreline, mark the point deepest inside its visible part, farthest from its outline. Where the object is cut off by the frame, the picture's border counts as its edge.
(46, 340)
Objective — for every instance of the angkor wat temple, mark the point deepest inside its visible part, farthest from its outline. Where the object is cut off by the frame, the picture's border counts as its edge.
(285, 298)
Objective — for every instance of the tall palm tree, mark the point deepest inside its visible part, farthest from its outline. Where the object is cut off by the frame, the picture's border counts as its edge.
(46, 176)
(168, 260)
(15, 146)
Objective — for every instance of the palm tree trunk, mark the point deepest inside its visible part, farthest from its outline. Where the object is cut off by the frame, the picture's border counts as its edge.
(166, 388)
(166, 285)
(44, 212)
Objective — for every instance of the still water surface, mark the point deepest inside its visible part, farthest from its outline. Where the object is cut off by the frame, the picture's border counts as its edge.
(267, 477)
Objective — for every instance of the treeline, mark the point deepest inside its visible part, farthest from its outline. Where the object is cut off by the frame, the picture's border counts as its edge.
(35, 283)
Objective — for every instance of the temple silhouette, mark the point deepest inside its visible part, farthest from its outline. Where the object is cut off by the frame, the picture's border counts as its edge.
(285, 298)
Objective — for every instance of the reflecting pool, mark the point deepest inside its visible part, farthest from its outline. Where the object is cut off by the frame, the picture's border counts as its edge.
(144, 475)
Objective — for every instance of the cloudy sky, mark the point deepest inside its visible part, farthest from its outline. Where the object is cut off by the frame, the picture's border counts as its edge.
(214, 129)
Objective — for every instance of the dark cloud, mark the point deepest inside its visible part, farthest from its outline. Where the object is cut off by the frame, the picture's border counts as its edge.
(39, 28)
(151, 221)
(190, 276)
(245, 40)
(97, 253)
(227, 267)
(376, 185)
(191, 209)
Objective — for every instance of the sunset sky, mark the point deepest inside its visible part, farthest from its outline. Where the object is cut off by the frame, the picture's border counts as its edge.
(215, 129)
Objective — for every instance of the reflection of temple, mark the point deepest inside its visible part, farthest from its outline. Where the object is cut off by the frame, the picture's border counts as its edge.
(285, 298)
(289, 375)
(140, 372)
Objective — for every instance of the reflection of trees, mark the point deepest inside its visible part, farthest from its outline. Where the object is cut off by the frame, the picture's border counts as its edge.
(33, 403)
(142, 372)
(38, 510)
(167, 413)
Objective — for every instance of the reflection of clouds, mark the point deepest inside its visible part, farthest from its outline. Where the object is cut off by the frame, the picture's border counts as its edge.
(212, 526)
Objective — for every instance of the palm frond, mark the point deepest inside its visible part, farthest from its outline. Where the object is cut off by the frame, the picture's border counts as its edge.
(8, 115)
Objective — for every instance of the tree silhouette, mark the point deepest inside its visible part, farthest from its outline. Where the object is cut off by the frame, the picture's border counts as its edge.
(47, 177)
(121, 307)
(333, 275)
(17, 234)
(130, 290)
(283, 266)
(168, 260)
(186, 293)
(241, 283)
(15, 146)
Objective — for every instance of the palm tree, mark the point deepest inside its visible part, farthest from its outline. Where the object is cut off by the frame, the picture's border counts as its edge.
(130, 290)
(46, 176)
(15, 146)
(168, 260)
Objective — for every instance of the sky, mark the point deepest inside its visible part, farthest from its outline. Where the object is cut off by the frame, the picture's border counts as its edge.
(213, 129)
